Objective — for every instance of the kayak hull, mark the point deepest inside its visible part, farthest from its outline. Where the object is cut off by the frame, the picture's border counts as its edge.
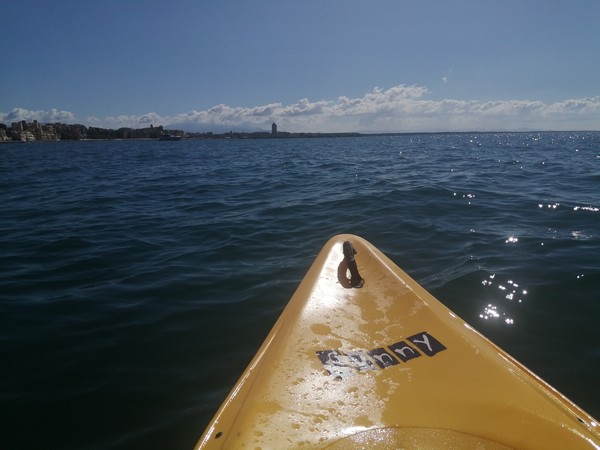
(386, 365)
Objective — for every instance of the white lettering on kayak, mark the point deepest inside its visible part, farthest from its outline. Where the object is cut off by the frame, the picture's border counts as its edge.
(427, 343)
(361, 361)
(383, 358)
(404, 351)
(344, 364)
(336, 363)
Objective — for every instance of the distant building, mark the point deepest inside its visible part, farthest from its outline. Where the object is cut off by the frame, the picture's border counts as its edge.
(274, 128)
(34, 131)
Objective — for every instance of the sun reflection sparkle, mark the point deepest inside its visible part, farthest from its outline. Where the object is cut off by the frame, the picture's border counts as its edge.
(586, 208)
(509, 291)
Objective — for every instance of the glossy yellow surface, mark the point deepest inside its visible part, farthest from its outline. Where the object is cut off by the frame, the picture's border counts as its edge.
(455, 390)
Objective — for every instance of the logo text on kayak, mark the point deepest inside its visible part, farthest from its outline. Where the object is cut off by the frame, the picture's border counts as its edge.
(345, 364)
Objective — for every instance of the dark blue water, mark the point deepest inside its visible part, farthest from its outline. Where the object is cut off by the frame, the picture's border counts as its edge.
(137, 279)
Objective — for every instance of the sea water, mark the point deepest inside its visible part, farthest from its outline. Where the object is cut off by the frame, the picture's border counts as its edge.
(138, 278)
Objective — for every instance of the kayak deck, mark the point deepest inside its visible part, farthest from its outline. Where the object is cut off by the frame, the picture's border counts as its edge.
(386, 365)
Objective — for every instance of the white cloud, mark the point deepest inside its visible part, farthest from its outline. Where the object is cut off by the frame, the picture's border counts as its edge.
(53, 115)
(397, 109)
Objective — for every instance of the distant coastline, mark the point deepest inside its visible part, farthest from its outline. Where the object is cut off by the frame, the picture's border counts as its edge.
(35, 132)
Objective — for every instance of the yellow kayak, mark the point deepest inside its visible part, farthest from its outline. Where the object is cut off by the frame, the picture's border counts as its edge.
(363, 357)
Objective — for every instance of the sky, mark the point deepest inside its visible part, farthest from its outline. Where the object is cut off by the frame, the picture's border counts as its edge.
(308, 65)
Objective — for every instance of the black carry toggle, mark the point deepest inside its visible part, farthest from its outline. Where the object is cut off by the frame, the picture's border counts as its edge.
(355, 279)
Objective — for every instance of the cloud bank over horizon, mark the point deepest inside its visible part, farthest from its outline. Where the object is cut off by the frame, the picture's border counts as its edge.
(398, 109)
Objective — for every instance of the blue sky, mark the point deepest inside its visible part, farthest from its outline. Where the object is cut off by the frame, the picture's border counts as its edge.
(309, 65)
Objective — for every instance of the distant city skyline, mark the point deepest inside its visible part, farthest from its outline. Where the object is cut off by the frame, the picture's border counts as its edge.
(311, 66)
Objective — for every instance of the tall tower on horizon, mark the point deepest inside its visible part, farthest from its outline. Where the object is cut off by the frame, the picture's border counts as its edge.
(274, 128)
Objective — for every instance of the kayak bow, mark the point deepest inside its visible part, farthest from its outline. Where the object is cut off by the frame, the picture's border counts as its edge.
(375, 361)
